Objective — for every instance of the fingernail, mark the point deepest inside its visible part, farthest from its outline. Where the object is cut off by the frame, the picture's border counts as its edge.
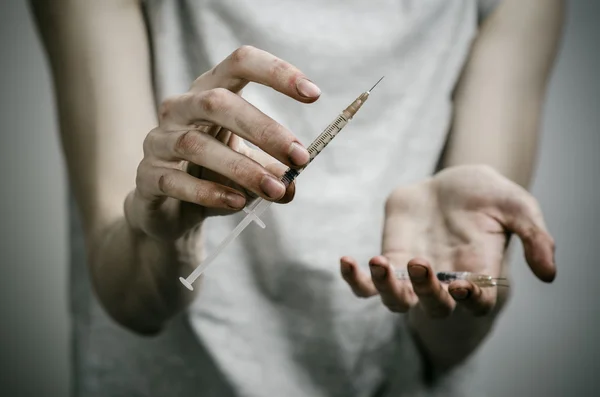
(307, 88)
(298, 154)
(234, 200)
(417, 272)
(272, 187)
(460, 293)
(378, 271)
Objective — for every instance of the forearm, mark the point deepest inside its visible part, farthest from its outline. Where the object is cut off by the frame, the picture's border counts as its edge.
(136, 276)
(497, 110)
(499, 99)
(447, 343)
(101, 71)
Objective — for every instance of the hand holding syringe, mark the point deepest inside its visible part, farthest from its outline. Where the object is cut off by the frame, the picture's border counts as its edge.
(255, 209)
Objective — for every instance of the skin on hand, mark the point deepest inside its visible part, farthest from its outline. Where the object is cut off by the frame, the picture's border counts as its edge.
(458, 220)
(196, 165)
(197, 156)
(462, 217)
(193, 164)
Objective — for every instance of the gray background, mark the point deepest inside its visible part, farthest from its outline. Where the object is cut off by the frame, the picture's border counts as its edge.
(547, 342)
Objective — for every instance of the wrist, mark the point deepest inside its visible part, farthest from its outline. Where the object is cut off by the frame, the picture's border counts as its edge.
(142, 288)
(445, 343)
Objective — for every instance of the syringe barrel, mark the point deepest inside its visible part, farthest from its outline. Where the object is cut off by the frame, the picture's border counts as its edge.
(260, 205)
(317, 147)
(326, 136)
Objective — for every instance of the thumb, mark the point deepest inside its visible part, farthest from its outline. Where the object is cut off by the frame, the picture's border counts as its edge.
(278, 170)
(520, 213)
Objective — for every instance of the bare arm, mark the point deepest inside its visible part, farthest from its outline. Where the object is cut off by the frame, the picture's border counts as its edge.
(140, 179)
(100, 64)
(498, 106)
(499, 99)
(458, 219)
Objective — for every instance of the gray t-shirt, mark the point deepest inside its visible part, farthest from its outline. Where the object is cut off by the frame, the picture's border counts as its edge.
(273, 317)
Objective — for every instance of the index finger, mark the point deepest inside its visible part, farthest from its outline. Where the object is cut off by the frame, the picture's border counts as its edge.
(249, 64)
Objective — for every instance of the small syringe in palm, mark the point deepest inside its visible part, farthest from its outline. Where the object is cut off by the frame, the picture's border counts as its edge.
(480, 280)
(260, 205)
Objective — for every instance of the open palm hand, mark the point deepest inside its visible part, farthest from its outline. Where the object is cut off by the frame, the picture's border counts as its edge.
(458, 220)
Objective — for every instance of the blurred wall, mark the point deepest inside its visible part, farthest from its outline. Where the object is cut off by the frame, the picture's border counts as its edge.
(546, 343)
(34, 347)
(548, 340)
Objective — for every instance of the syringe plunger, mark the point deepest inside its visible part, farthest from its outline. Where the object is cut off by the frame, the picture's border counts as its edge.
(260, 205)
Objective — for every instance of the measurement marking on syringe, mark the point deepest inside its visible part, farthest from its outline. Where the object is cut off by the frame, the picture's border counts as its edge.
(255, 210)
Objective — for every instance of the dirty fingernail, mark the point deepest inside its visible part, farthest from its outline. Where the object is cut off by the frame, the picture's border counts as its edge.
(234, 200)
(298, 154)
(378, 271)
(272, 187)
(417, 272)
(307, 88)
(459, 293)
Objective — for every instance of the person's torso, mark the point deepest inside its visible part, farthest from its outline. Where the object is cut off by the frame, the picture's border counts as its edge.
(273, 316)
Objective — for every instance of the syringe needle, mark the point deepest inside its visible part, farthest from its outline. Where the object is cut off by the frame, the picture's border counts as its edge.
(447, 277)
(254, 210)
(375, 84)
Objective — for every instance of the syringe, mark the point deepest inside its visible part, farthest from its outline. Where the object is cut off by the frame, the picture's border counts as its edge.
(481, 280)
(260, 205)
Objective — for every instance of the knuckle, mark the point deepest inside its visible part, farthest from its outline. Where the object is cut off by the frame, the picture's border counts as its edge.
(188, 142)
(236, 167)
(239, 168)
(144, 174)
(268, 132)
(213, 101)
(139, 182)
(166, 107)
(149, 142)
(140, 173)
(241, 54)
(142, 168)
(277, 68)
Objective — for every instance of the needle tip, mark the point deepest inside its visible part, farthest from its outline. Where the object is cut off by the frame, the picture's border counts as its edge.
(375, 84)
